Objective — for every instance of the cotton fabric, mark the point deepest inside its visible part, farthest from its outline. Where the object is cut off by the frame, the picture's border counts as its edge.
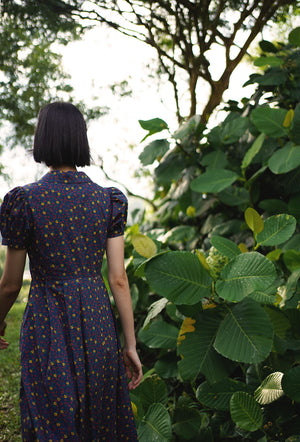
(73, 385)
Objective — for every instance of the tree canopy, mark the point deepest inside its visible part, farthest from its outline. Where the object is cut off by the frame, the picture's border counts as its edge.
(30, 66)
(184, 34)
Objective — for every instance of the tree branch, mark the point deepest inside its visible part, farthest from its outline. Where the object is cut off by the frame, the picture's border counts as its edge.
(129, 192)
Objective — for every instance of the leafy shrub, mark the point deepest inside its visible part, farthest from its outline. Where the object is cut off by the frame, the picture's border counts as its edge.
(218, 270)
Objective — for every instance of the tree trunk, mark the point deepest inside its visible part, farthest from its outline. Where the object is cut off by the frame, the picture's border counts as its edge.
(217, 90)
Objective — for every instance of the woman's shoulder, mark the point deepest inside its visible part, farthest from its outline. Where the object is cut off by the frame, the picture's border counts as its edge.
(116, 195)
(17, 194)
(111, 194)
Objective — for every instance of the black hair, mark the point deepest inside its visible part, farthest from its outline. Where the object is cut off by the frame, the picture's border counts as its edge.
(60, 137)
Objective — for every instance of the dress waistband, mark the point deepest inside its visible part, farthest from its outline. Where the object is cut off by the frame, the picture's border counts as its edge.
(65, 280)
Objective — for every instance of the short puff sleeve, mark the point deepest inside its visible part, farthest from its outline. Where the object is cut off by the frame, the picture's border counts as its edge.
(15, 219)
(119, 206)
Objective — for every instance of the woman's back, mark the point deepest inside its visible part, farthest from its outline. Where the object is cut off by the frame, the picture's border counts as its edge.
(70, 354)
(73, 382)
(69, 219)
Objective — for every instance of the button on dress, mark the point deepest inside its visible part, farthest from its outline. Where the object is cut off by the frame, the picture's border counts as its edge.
(73, 384)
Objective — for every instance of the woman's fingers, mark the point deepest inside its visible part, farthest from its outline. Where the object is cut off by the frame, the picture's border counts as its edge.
(3, 344)
(133, 369)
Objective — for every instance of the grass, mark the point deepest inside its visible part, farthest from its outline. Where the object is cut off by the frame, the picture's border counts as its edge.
(10, 426)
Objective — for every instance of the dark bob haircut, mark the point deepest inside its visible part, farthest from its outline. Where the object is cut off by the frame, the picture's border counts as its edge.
(60, 137)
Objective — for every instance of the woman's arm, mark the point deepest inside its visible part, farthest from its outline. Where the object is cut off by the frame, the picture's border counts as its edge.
(118, 283)
(10, 285)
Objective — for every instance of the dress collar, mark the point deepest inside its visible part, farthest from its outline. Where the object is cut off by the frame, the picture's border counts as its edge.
(69, 177)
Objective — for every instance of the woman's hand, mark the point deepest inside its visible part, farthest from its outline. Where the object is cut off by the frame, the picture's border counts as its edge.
(3, 343)
(133, 368)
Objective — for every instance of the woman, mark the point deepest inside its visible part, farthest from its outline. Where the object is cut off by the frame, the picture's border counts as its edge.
(73, 385)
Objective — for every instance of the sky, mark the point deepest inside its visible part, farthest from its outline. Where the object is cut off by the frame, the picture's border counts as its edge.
(99, 60)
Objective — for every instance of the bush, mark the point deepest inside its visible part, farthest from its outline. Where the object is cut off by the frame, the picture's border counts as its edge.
(218, 266)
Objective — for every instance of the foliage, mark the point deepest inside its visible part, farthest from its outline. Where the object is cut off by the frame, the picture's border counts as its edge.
(31, 72)
(218, 267)
(183, 35)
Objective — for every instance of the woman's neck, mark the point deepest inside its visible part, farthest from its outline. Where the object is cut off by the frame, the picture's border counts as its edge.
(64, 168)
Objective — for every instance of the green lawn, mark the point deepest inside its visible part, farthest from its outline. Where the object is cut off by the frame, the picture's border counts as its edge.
(10, 427)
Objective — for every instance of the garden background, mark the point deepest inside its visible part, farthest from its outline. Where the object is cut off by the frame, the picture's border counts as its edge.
(213, 246)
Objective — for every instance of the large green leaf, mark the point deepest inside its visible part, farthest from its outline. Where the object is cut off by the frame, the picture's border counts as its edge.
(294, 37)
(166, 366)
(270, 389)
(159, 334)
(267, 296)
(291, 383)
(180, 234)
(227, 228)
(268, 61)
(292, 244)
(214, 137)
(144, 245)
(254, 149)
(245, 411)
(192, 127)
(274, 77)
(153, 151)
(255, 176)
(225, 246)
(280, 322)
(154, 310)
(245, 334)
(213, 181)
(294, 207)
(187, 420)
(273, 206)
(277, 230)
(188, 349)
(267, 46)
(295, 131)
(234, 129)
(179, 277)
(269, 121)
(234, 196)
(156, 425)
(216, 159)
(153, 126)
(254, 220)
(291, 259)
(169, 169)
(152, 390)
(285, 159)
(291, 287)
(137, 406)
(198, 354)
(217, 395)
(244, 274)
(274, 255)
(288, 121)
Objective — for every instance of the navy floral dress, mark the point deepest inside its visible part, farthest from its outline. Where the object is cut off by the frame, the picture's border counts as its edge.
(73, 384)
